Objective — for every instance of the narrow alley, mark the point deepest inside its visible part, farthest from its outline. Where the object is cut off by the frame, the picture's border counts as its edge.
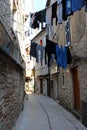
(43, 50)
(43, 113)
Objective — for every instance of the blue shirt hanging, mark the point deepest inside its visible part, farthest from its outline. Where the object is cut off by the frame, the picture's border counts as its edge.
(59, 55)
(77, 5)
(64, 58)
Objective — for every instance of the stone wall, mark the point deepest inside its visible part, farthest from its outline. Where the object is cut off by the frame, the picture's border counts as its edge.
(78, 27)
(5, 15)
(11, 92)
(12, 73)
(13, 42)
(66, 89)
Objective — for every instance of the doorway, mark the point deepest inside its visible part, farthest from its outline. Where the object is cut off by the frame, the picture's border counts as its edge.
(41, 86)
(76, 89)
(48, 88)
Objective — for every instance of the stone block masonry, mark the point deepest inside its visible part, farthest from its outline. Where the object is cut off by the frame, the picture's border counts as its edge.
(11, 92)
(12, 67)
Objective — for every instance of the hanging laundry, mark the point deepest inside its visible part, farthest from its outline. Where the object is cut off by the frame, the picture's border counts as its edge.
(54, 12)
(52, 60)
(43, 17)
(77, 5)
(47, 30)
(48, 15)
(64, 10)
(60, 10)
(68, 7)
(61, 57)
(85, 5)
(33, 50)
(48, 19)
(50, 32)
(59, 1)
(50, 49)
(38, 17)
(40, 50)
(67, 32)
(34, 22)
(64, 58)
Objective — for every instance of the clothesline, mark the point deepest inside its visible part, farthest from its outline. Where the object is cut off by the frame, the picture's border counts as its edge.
(53, 51)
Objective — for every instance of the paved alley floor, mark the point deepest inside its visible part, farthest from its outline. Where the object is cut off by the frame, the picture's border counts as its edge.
(43, 113)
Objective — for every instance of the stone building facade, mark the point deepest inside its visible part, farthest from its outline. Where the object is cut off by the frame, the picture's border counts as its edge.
(41, 71)
(72, 81)
(12, 66)
(74, 90)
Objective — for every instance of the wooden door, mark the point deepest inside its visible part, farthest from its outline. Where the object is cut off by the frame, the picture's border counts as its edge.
(76, 89)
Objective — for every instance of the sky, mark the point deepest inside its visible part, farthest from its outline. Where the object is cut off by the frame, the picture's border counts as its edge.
(36, 4)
